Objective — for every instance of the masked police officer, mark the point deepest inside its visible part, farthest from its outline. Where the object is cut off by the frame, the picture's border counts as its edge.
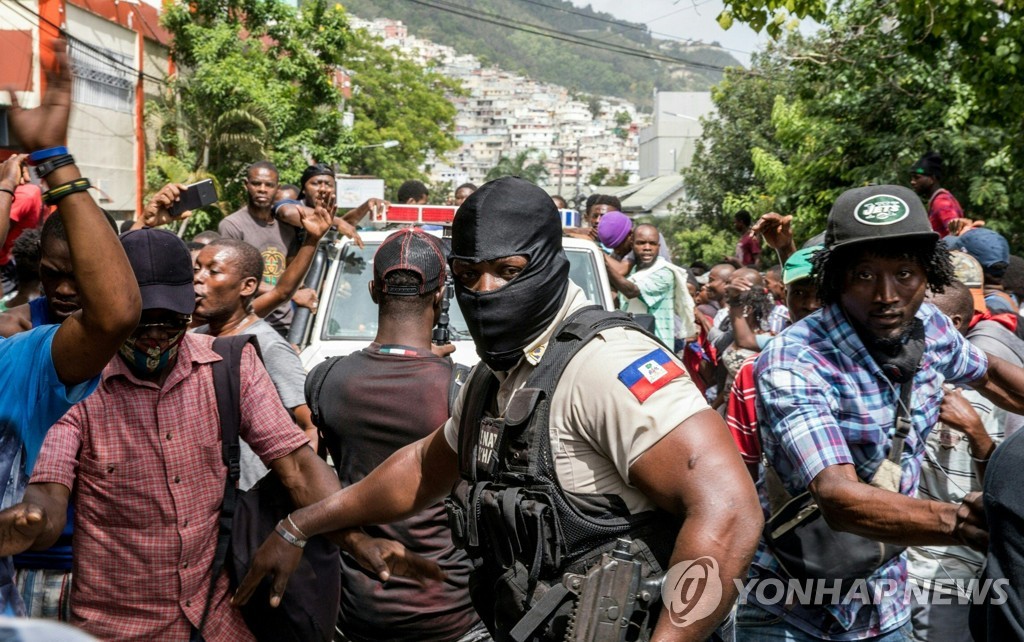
(578, 447)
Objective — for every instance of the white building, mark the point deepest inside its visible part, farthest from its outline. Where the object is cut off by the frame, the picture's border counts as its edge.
(668, 143)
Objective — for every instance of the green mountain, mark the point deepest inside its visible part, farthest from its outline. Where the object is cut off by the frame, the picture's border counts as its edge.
(498, 32)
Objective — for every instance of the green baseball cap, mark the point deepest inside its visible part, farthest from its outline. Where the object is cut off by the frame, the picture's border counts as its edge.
(799, 265)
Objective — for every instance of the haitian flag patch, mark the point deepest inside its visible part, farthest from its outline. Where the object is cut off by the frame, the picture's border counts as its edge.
(650, 372)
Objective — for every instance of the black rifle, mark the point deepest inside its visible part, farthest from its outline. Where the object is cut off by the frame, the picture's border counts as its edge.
(614, 599)
(442, 334)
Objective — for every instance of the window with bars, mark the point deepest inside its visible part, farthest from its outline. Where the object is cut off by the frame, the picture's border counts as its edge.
(102, 77)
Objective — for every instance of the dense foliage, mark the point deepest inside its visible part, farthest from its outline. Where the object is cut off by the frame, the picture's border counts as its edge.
(856, 103)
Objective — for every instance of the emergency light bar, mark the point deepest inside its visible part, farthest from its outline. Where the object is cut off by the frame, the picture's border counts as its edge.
(436, 214)
(442, 215)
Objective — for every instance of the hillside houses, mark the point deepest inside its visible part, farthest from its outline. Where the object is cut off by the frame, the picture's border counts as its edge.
(504, 113)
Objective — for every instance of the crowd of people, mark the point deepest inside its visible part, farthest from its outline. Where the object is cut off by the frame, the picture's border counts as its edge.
(825, 415)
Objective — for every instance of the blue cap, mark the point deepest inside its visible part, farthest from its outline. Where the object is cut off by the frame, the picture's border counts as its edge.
(987, 246)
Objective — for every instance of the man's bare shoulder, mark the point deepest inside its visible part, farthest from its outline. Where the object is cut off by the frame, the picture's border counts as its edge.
(15, 320)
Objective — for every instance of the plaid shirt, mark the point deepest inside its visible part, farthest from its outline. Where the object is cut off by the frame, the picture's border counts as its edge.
(145, 464)
(823, 401)
(741, 413)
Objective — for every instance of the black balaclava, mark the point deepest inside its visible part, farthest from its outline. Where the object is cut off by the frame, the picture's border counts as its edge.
(510, 217)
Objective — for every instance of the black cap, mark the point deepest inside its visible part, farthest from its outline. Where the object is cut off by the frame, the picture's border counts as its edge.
(877, 213)
(414, 250)
(163, 267)
(319, 169)
(928, 165)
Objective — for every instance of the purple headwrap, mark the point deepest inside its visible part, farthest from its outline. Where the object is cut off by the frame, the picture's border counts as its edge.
(614, 228)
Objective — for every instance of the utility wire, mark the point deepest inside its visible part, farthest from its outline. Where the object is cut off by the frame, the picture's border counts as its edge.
(539, 30)
(644, 28)
(86, 45)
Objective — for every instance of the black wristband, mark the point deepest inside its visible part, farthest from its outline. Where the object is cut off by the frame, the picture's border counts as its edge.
(47, 166)
(9, 191)
(52, 196)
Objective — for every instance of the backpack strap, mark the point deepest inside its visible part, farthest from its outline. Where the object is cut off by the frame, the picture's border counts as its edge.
(227, 387)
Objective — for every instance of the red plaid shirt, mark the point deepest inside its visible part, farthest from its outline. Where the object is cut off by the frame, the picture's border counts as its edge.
(145, 464)
(741, 413)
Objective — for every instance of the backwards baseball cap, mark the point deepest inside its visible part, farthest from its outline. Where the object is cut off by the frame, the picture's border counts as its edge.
(987, 246)
(969, 272)
(877, 213)
(614, 228)
(798, 266)
(414, 250)
(163, 268)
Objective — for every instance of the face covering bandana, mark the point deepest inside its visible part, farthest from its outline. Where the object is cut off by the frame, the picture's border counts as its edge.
(152, 360)
(510, 217)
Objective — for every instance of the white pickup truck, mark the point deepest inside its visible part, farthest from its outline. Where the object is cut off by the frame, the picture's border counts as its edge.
(347, 318)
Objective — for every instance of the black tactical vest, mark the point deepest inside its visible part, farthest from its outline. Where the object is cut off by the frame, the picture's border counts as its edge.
(509, 513)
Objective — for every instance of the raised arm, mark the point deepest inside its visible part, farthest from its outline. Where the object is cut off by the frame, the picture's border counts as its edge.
(777, 231)
(316, 222)
(619, 282)
(10, 178)
(156, 211)
(109, 294)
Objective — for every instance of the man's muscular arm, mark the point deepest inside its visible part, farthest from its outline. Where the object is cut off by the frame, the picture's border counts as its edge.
(408, 481)
(685, 474)
(850, 505)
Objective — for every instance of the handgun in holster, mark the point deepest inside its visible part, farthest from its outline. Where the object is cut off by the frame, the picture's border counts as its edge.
(614, 601)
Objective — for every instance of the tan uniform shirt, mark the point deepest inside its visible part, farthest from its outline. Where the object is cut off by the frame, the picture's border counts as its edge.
(599, 428)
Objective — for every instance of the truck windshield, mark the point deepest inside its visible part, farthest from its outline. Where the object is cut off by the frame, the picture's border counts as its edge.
(353, 314)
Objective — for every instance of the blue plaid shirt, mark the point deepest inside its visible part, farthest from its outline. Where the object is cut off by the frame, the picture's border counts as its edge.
(822, 401)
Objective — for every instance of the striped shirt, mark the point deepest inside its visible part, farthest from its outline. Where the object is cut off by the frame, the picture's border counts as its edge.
(822, 401)
(947, 475)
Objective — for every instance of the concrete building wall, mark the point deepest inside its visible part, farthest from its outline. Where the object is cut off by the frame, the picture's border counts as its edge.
(101, 131)
(668, 143)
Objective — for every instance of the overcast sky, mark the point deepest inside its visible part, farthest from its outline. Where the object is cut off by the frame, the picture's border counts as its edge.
(693, 19)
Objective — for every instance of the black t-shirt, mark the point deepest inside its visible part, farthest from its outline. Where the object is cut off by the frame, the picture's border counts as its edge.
(373, 403)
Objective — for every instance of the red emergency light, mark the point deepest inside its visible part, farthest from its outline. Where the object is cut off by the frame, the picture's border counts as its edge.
(436, 214)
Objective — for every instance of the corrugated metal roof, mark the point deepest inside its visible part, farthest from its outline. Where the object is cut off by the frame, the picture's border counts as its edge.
(652, 193)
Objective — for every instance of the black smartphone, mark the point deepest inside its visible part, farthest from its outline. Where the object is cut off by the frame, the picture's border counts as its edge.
(195, 196)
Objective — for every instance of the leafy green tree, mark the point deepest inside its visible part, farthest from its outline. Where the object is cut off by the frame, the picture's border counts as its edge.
(849, 106)
(256, 79)
(598, 176)
(983, 40)
(520, 165)
(396, 99)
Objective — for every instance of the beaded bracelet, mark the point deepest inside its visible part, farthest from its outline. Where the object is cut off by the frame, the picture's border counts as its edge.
(288, 537)
(47, 166)
(39, 156)
(53, 195)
